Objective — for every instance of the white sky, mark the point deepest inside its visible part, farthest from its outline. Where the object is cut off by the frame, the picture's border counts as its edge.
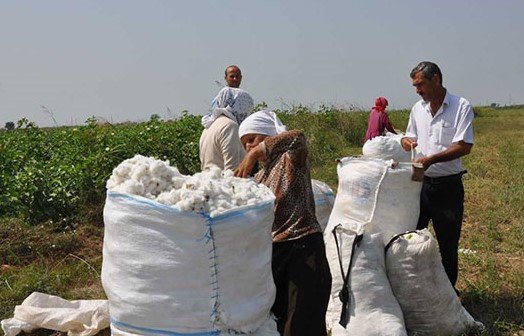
(125, 60)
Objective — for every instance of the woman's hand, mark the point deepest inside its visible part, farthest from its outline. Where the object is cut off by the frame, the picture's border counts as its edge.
(246, 166)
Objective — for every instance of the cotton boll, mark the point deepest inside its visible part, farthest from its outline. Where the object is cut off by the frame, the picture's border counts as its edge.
(131, 187)
(164, 198)
(185, 204)
(185, 193)
(169, 197)
(157, 167)
(188, 186)
(209, 189)
(112, 183)
(223, 204)
(157, 185)
(211, 204)
(177, 182)
(138, 172)
(215, 172)
(225, 190)
(228, 174)
(199, 196)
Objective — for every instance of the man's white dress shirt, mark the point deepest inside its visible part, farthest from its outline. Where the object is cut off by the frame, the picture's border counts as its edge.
(452, 123)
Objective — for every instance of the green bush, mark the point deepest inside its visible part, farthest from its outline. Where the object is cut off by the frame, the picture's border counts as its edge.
(57, 173)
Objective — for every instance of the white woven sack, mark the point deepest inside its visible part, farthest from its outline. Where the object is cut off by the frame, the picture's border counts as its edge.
(421, 286)
(268, 328)
(376, 192)
(387, 148)
(324, 200)
(76, 317)
(167, 271)
(373, 309)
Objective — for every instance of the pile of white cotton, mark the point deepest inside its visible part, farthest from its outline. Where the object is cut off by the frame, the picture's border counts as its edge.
(386, 148)
(213, 191)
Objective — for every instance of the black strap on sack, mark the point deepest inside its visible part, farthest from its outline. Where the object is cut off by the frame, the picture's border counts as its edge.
(392, 240)
(343, 295)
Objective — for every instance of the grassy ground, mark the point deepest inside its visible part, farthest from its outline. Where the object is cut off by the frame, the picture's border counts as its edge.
(492, 279)
(67, 262)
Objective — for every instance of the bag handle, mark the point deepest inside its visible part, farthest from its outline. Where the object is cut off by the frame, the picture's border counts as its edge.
(343, 294)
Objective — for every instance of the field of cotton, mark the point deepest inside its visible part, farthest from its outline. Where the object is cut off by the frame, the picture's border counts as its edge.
(52, 192)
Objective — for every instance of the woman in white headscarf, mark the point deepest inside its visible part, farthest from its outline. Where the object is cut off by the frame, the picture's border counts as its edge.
(219, 142)
(300, 267)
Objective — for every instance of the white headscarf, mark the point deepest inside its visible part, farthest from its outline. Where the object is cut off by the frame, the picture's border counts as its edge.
(263, 122)
(236, 104)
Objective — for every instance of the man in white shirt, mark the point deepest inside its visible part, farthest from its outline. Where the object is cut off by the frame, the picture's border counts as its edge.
(441, 126)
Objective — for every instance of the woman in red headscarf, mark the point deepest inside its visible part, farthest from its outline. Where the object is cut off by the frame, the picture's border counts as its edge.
(378, 120)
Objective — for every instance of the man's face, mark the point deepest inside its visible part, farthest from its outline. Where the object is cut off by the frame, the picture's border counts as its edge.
(424, 87)
(250, 141)
(233, 77)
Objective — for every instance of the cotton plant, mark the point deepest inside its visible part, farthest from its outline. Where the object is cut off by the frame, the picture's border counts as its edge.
(213, 191)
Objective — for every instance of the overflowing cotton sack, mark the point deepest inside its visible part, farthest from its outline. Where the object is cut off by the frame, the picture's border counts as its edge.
(386, 147)
(372, 308)
(421, 286)
(170, 271)
(378, 193)
(324, 200)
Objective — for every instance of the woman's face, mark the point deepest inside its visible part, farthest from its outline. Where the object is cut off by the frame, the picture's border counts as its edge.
(250, 141)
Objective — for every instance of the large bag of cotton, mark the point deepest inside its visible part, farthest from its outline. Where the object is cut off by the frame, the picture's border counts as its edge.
(268, 328)
(187, 254)
(421, 286)
(377, 192)
(324, 200)
(361, 302)
(386, 147)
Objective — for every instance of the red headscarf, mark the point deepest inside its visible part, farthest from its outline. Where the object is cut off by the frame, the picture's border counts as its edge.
(380, 104)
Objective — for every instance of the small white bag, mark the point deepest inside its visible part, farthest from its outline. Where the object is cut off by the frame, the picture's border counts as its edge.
(421, 286)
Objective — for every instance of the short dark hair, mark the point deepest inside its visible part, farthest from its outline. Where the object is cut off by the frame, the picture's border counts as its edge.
(429, 69)
(232, 66)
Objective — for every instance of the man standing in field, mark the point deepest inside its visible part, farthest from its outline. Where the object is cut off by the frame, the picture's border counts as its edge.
(233, 76)
(219, 143)
(441, 125)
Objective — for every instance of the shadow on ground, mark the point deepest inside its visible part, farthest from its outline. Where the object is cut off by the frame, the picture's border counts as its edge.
(501, 314)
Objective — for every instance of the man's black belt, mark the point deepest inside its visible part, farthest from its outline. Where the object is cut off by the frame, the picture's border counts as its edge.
(444, 179)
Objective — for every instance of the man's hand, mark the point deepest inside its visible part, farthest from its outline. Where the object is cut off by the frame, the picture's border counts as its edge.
(426, 161)
(246, 166)
(408, 142)
(456, 150)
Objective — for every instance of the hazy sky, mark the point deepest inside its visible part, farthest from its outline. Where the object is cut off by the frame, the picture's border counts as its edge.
(125, 60)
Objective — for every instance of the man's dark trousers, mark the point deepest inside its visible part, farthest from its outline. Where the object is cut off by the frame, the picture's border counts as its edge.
(442, 202)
